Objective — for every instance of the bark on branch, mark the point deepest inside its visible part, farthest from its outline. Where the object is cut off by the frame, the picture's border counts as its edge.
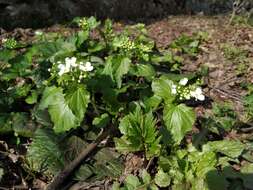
(67, 171)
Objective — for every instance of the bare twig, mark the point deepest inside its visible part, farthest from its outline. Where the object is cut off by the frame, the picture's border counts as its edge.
(149, 163)
(246, 130)
(67, 171)
(4, 188)
(227, 94)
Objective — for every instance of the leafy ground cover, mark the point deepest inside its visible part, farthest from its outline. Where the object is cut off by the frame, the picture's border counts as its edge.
(167, 106)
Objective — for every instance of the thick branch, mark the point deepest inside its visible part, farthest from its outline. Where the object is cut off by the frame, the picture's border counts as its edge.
(67, 171)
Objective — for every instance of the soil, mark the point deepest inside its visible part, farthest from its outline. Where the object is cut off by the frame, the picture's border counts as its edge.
(223, 82)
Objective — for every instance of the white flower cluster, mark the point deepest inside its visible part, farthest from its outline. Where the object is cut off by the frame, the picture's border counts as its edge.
(198, 94)
(187, 92)
(76, 70)
(4, 40)
(71, 64)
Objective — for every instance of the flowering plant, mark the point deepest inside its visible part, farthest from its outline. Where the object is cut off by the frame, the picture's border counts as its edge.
(186, 92)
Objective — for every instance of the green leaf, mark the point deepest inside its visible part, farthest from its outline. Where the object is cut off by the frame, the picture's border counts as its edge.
(81, 36)
(139, 134)
(152, 102)
(231, 149)
(42, 117)
(132, 182)
(162, 88)
(60, 113)
(216, 181)
(116, 186)
(116, 67)
(84, 172)
(247, 175)
(73, 146)
(22, 125)
(143, 70)
(146, 177)
(95, 47)
(6, 55)
(32, 99)
(19, 67)
(93, 23)
(121, 69)
(78, 100)
(5, 123)
(104, 85)
(105, 163)
(48, 49)
(101, 121)
(162, 179)
(205, 164)
(45, 154)
(178, 120)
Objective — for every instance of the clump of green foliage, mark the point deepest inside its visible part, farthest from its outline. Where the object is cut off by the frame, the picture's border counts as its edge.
(238, 56)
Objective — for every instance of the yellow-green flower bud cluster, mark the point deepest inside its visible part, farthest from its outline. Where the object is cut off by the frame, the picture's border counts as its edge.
(84, 24)
(128, 45)
(9, 43)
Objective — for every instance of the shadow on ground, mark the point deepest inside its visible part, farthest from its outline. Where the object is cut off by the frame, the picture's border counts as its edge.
(229, 179)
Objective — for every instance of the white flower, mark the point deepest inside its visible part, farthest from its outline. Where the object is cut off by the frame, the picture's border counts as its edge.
(70, 62)
(183, 81)
(198, 91)
(198, 94)
(38, 33)
(4, 40)
(88, 66)
(174, 89)
(201, 97)
(81, 67)
(193, 93)
(174, 86)
(63, 69)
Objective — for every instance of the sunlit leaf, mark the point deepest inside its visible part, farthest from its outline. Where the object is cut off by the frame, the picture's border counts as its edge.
(230, 148)
(162, 179)
(179, 120)
(162, 88)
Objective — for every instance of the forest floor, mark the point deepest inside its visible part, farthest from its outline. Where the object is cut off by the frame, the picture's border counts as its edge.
(223, 53)
(227, 53)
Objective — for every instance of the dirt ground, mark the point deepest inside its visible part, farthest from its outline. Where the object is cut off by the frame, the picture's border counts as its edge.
(223, 80)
